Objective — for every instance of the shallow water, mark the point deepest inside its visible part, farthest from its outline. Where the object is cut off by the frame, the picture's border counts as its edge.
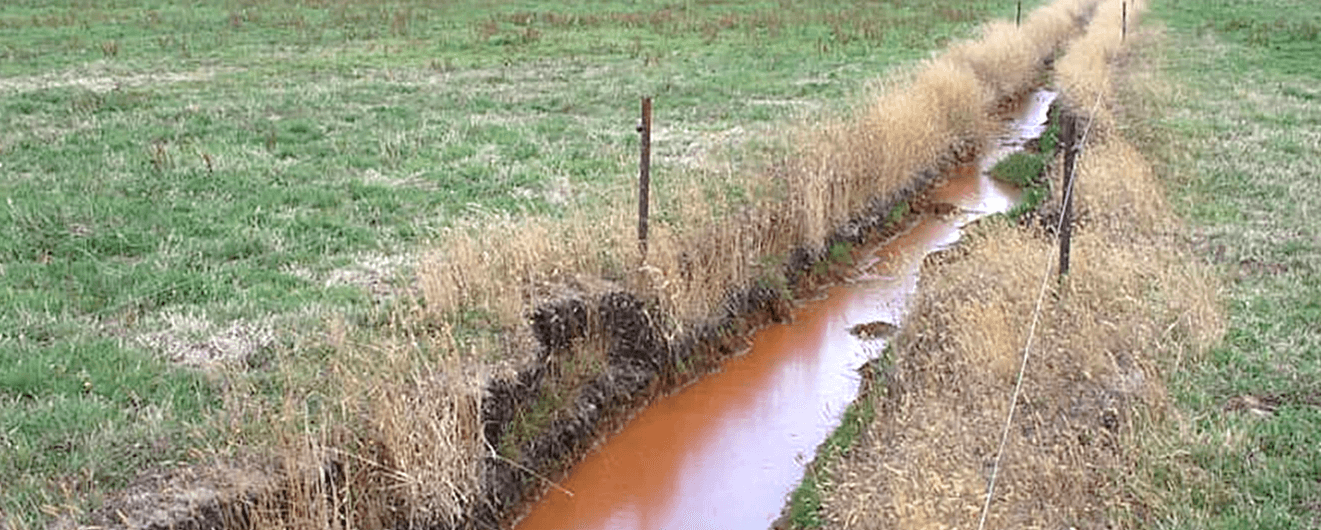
(725, 451)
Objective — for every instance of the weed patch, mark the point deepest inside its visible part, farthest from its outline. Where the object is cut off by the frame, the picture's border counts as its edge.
(1027, 169)
(1022, 169)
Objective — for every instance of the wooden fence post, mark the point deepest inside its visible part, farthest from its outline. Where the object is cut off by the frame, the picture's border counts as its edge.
(644, 176)
(1069, 133)
(1123, 35)
(1018, 15)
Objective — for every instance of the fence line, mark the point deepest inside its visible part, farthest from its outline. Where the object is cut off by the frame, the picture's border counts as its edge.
(1027, 348)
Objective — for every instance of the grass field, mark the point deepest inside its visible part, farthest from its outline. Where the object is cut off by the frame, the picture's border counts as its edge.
(189, 187)
(1238, 128)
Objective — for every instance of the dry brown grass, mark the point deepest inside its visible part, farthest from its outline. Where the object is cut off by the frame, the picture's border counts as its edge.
(1133, 304)
(393, 439)
(503, 266)
(1084, 73)
(1121, 191)
(1094, 371)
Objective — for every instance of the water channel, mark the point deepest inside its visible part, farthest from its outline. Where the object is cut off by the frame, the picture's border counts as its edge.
(725, 451)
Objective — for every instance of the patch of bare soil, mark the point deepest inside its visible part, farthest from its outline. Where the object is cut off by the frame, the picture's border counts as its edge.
(102, 77)
(186, 498)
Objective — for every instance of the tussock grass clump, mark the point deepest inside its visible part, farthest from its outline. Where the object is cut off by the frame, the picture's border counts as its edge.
(1084, 74)
(1121, 190)
(504, 266)
(392, 437)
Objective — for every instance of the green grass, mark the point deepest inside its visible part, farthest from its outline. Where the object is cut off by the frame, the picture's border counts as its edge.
(1026, 169)
(805, 501)
(897, 213)
(1021, 169)
(1246, 149)
(174, 174)
(840, 253)
(78, 416)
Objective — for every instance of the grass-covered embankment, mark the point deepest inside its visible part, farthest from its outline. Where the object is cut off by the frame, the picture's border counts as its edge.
(1226, 100)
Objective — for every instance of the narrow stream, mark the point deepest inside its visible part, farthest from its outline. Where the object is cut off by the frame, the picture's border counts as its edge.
(725, 451)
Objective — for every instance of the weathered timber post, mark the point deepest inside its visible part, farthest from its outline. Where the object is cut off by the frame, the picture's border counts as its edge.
(1123, 28)
(644, 176)
(1018, 15)
(1069, 132)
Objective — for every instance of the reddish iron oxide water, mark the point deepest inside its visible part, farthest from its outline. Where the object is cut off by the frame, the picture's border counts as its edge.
(725, 451)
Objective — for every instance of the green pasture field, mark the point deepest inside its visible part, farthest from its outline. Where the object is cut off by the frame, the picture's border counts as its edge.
(1244, 124)
(200, 182)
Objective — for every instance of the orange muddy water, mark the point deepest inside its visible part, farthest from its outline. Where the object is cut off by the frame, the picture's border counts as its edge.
(726, 451)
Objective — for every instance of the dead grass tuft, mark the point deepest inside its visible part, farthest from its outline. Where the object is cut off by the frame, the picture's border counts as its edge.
(504, 266)
(388, 435)
(1121, 191)
(1084, 73)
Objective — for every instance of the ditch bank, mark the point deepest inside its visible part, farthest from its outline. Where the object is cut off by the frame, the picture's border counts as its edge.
(724, 450)
(640, 363)
(1017, 397)
(604, 352)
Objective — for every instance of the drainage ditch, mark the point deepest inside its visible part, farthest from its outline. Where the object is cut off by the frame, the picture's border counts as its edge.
(726, 450)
